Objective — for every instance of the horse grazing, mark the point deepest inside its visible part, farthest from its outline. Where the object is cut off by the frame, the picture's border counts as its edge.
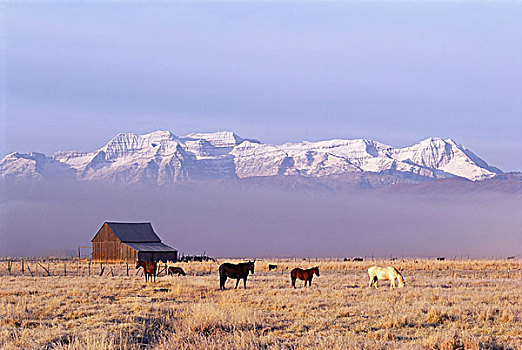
(272, 267)
(174, 269)
(237, 271)
(304, 275)
(149, 269)
(376, 273)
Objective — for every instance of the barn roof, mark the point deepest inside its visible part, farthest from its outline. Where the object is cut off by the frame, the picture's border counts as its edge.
(134, 232)
(150, 247)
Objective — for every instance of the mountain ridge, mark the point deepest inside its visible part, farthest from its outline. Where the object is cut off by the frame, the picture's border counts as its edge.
(161, 157)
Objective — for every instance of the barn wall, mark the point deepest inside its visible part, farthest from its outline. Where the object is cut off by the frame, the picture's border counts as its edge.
(106, 247)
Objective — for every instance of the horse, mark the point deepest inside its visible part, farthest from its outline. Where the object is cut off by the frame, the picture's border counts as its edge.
(304, 275)
(272, 267)
(174, 269)
(376, 273)
(149, 269)
(237, 271)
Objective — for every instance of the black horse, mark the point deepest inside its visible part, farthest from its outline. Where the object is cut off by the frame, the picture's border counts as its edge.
(237, 271)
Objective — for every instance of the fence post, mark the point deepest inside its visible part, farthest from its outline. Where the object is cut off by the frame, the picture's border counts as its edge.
(65, 268)
(9, 266)
(28, 268)
(23, 270)
(46, 270)
(127, 269)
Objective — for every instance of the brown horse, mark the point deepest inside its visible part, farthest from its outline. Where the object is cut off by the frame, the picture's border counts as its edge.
(304, 275)
(237, 271)
(149, 269)
(173, 269)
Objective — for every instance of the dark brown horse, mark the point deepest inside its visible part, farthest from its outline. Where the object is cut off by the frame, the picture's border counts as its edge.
(304, 275)
(173, 269)
(237, 271)
(149, 269)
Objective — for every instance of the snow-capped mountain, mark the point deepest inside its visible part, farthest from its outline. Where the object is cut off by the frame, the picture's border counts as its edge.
(161, 157)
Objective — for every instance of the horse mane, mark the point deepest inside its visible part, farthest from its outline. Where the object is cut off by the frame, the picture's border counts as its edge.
(397, 271)
(399, 276)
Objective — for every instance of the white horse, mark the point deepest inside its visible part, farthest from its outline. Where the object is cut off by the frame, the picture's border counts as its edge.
(376, 273)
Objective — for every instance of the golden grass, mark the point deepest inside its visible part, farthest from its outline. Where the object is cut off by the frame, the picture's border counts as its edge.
(445, 305)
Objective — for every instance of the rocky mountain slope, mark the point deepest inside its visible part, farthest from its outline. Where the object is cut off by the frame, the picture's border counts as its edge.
(161, 157)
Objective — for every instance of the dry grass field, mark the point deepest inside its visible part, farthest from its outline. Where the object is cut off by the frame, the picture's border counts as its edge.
(473, 304)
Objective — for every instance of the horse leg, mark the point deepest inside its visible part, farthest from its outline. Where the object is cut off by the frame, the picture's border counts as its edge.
(376, 283)
(237, 282)
(244, 280)
(222, 280)
(392, 283)
(293, 282)
(371, 281)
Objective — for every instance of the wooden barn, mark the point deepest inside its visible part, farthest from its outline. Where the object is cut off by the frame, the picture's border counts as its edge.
(128, 242)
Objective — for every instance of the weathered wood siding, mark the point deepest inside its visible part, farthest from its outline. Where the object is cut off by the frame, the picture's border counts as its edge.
(106, 247)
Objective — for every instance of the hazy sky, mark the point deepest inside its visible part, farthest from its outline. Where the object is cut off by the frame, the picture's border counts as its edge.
(264, 221)
(74, 74)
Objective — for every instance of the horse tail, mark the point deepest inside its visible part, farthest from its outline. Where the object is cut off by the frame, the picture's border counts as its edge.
(370, 273)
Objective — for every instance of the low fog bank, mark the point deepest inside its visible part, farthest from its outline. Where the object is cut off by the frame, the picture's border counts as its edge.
(48, 219)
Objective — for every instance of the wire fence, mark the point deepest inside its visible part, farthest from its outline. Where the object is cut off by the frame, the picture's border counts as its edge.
(54, 267)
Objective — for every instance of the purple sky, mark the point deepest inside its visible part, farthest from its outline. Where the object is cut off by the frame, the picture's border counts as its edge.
(75, 74)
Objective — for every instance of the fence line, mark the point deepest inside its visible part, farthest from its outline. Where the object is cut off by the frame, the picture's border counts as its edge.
(38, 267)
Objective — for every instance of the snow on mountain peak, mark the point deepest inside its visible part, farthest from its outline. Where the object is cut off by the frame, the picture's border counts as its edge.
(220, 138)
(162, 157)
(33, 165)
